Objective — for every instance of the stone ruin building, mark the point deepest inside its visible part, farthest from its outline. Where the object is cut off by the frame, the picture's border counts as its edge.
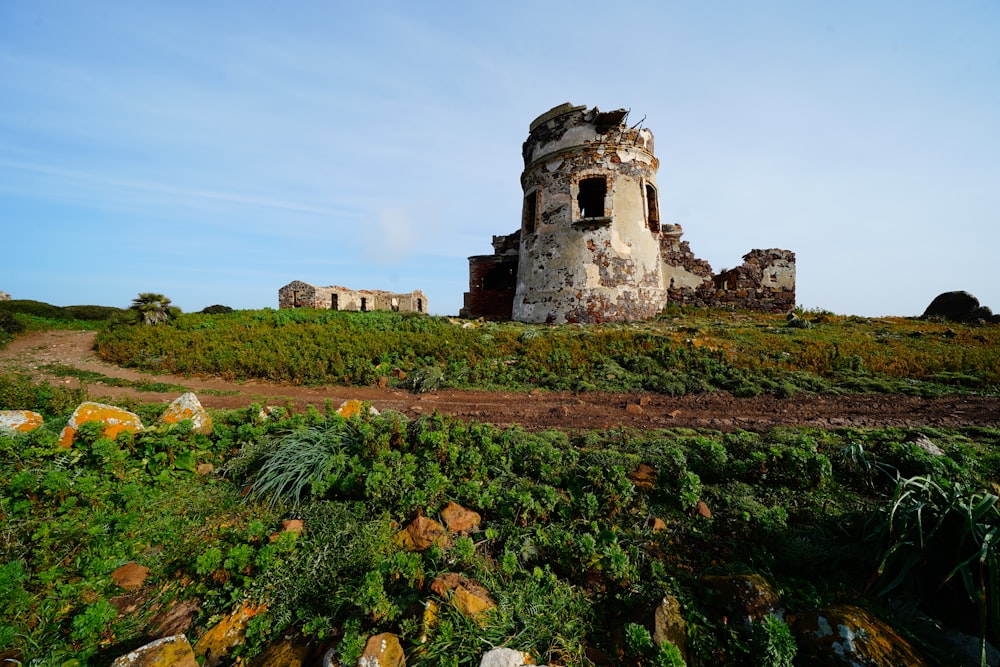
(592, 246)
(4, 296)
(298, 294)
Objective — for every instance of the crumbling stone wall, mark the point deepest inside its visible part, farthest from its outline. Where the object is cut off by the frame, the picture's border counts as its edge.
(492, 280)
(592, 247)
(299, 294)
(589, 249)
(4, 296)
(765, 281)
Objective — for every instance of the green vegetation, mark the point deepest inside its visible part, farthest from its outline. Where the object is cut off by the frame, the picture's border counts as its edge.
(47, 311)
(690, 352)
(582, 534)
(153, 308)
(566, 547)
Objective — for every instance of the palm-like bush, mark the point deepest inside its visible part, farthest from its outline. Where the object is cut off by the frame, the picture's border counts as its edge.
(154, 308)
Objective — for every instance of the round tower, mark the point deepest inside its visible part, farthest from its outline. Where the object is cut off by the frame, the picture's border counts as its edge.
(590, 224)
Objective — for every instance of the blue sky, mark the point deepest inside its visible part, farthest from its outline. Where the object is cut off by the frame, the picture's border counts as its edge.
(215, 151)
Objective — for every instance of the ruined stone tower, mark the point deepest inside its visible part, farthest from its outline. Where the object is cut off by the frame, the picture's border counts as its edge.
(592, 248)
(589, 248)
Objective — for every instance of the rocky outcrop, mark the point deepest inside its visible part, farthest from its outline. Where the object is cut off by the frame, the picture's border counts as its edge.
(848, 636)
(958, 307)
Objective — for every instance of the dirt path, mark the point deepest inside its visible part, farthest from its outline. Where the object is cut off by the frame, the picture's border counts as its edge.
(537, 410)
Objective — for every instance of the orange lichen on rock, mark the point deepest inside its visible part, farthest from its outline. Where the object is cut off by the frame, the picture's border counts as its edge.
(187, 406)
(227, 634)
(115, 421)
(20, 420)
(353, 407)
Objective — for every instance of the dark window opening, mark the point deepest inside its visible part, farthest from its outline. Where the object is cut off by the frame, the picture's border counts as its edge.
(295, 298)
(364, 303)
(420, 305)
(530, 211)
(591, 197)
(500, 278)
(652, 209)
(395, 305)
(334, 302)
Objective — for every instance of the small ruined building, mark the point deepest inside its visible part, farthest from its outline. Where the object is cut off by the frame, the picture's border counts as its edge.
(592, 247)
(298, 294)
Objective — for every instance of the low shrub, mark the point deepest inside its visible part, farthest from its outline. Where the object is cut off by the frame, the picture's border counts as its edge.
(10, 324)
(36, 308)
(217, 309)
(90, 313)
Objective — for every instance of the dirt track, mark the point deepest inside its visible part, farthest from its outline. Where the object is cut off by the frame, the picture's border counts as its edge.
(537, 410)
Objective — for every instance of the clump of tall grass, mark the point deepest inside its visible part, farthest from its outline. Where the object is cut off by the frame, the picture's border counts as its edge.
(307, 459)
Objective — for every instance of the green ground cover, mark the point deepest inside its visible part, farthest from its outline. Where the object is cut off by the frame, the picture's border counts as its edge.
(566, 547)
(685, 351)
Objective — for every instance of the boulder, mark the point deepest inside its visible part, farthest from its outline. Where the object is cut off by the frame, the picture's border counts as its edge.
(471, 599)
(20, 420)
(669, 625)
(926, 444)
(355, 407)
(747, 597)
(644, 477)
(848, 636)
(174, 651)
(130, 576)
(187, 406)
(458, 519)
(421, 534)
(954, 306)
(224, 636)
(383, 650)
(115, 421)
(287, 653)
(504, 657)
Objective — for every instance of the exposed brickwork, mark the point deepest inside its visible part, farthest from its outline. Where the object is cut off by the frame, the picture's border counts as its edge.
(492, 280)
(298, 294)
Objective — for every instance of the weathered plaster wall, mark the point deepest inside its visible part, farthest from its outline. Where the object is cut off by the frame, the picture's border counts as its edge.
(587, 266)
(299, 294)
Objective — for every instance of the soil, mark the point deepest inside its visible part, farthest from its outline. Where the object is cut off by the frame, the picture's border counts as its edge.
(535, 410)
